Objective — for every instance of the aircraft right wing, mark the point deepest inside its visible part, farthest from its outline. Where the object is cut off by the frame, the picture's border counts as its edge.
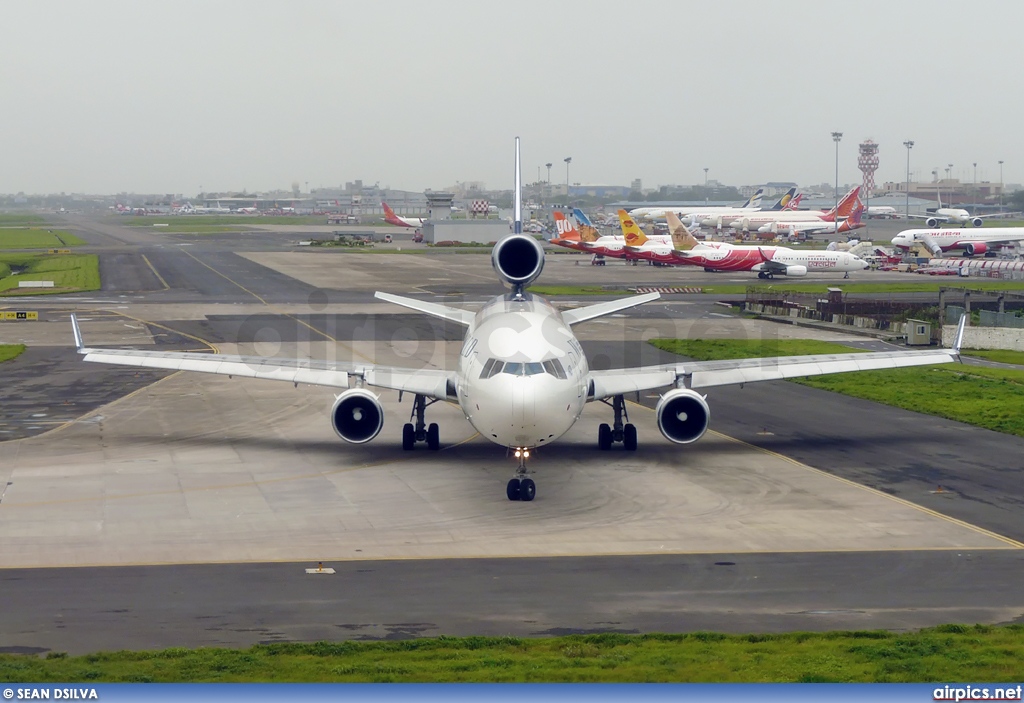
(433, 383)
(707, 374)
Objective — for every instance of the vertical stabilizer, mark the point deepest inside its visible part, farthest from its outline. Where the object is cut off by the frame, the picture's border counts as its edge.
(517, 197)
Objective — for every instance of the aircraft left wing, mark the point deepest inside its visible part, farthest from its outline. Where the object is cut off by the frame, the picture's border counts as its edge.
(589, 312)
(433, 383)
(707, 374)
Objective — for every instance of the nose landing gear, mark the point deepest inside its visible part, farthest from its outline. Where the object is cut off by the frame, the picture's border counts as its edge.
(420, 432)
(520, 487)
(619, 432)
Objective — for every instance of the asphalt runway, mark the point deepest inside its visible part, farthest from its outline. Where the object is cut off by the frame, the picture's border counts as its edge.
(186, 517)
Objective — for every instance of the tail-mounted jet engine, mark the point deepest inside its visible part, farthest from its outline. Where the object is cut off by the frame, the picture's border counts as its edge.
(518, 259)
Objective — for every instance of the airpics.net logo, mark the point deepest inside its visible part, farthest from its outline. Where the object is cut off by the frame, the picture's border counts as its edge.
(977, 693)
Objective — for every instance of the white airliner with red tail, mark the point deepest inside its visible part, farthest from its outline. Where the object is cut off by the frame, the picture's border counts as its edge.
(521, 378)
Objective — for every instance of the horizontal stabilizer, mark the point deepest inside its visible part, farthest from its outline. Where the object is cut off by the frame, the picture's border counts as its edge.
(463, 317)
(589, 312)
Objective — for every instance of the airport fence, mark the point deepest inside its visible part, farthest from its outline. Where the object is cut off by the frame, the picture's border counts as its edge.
(879, 314)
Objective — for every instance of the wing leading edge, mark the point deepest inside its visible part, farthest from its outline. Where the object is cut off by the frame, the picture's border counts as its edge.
(707, 374)
(433, 383)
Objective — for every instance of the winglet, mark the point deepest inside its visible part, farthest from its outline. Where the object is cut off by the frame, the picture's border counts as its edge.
(79, 344)
(958, 340)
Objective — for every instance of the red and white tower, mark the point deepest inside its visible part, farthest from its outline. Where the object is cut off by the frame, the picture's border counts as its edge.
(867, 162)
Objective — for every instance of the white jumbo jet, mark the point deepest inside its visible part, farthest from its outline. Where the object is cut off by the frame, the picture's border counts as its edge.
(522, 378)
(954, 215)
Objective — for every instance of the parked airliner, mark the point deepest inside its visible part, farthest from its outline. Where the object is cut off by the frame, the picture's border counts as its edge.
(752, 204)
(765, 261)
(521, 378)
(970, 241)
(397, 220)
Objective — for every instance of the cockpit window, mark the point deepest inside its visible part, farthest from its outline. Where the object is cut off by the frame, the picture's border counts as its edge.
(554, 367)
(491, 368)
(532, 368)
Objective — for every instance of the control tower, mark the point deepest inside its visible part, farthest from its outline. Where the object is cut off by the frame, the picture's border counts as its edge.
(439, 205)
(867, 162)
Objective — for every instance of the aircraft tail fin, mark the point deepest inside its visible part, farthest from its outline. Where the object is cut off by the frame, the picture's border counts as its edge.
(581, 217)
(517, 196)
(794, 203)
(754, 200)
(566, 228)
(682, 238)
(631, 231)
(783, 202)
(846, 206)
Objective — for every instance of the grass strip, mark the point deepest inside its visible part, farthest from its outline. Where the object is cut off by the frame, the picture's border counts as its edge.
(975, 395)
(33, 238)
(9, 219)
(69, 273)
(10, 351)
(949, 653)
(1003, 356)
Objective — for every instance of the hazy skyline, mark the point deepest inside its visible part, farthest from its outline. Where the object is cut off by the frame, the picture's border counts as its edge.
(165, 97)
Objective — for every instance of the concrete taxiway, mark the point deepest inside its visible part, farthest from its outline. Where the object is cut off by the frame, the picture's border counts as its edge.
(184, 512)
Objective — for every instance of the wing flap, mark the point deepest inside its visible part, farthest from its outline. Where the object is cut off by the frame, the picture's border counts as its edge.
(723, 373)
(291, 370)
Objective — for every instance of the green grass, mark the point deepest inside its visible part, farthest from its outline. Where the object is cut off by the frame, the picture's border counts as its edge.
(1003, 356)
(26, 238)
(706, 349)
(984, 397)
(18, 219)
(950, 653)
(10, 351)
(576, 290)
(69, 272)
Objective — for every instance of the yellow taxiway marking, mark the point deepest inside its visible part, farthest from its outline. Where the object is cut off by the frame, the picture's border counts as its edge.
(278, 310)
(85, 416)
(156, 273)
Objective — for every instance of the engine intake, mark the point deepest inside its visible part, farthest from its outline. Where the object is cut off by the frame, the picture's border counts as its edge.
(518, 259)
(973, 248)
(357, 416)
(683, 415)
(977, 221)
(931, 223)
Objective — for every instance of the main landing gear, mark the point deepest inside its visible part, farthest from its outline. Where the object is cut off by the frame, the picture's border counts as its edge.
(762, 274)
(420, 432)
(520, 487)
(618, 432)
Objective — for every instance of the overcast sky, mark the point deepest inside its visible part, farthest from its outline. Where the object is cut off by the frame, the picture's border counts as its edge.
(105, 96)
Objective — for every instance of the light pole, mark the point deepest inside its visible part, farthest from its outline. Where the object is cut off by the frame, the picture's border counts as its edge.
(836, 136)
(549, 172)
(567, 160)
(1000, 186)
(705, 186)
(974, 187)
(910, 145)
